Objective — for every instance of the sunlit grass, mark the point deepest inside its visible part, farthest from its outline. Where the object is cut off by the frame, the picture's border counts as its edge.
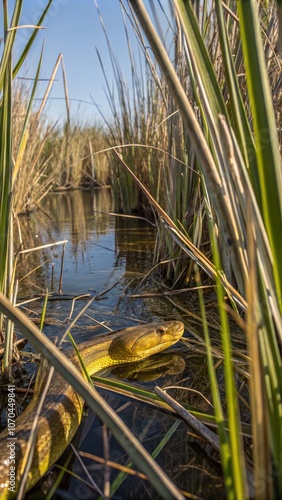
(234, 159)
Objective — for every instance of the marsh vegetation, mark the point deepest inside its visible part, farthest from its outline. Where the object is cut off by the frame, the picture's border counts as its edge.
(195, 148)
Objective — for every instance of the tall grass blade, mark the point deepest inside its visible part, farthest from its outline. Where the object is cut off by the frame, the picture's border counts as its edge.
(265, 130)
(238, 111)
(6, 160)
(230, 449)
(24, 134)
(9, 38)
(49, 86)
(257, 384)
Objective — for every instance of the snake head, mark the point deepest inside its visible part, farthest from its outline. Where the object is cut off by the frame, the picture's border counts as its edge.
(140, 342)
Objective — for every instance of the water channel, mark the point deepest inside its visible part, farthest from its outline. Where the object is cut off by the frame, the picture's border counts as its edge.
(112, 254)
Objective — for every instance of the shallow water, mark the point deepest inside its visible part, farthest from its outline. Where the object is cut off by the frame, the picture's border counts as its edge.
(111, 254)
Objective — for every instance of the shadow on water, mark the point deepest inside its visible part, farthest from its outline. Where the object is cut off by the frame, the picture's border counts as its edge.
(103, 251)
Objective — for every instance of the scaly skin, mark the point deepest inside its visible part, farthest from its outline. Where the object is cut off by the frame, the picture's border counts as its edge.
(62, 409)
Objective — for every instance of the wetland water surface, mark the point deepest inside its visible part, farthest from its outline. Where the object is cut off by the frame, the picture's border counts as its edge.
(112, 254)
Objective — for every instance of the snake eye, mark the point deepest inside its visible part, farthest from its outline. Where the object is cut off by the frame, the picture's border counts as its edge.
(160, 331)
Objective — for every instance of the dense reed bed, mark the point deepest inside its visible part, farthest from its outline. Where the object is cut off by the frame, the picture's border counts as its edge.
(53, 157)
(74, 158)
(148, 128)
(199, 140)
(230, 115)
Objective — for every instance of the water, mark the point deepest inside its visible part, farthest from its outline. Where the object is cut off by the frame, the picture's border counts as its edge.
(112, 254)
(101, 250)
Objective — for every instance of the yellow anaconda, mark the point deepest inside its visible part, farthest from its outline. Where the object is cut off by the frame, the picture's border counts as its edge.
(62, 410)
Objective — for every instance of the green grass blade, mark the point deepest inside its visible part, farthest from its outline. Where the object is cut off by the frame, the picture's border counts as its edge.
(225, 448)
(205, 70)
(9, 37)
(268, 159)
(6, 166)
(238, 110)
(201, 59)
(31, 40)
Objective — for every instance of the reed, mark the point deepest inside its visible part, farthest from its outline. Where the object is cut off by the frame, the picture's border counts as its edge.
(148, 133)
(73, 162)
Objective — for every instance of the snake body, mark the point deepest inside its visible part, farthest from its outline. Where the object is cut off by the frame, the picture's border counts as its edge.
(62, 410)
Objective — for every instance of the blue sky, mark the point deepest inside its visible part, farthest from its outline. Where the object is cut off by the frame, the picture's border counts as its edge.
(73, 29)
